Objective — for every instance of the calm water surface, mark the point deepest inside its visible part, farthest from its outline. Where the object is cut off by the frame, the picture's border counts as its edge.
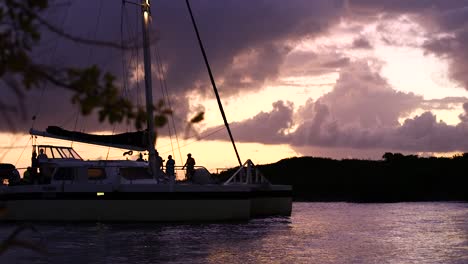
(315, 233)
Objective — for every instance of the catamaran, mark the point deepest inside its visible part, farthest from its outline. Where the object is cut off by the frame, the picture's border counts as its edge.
(68, 188)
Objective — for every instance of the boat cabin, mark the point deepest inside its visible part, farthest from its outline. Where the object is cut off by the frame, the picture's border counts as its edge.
(65, 165)
(56, 152)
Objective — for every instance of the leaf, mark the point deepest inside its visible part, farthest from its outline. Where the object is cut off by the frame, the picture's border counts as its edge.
(198, 117)
(160, 120)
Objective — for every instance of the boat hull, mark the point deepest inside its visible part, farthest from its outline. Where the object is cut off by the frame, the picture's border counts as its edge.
(271, 200)
(127, 210)
(133, 203)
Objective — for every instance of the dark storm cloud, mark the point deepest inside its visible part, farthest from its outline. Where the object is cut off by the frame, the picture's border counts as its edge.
(449, 31)
(246, 42)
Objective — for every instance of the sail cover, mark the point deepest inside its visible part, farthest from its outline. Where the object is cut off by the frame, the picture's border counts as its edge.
(130, 140)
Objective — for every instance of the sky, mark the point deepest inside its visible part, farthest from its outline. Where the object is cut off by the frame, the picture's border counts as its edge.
(325, 78)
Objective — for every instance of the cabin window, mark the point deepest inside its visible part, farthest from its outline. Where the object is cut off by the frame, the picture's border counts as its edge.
(135, 173)
(55, 154)
(64, 154)
(69, 154)
(96, 173)
(64, 174)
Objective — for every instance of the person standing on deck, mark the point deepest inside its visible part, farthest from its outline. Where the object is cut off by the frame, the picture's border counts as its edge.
(190, 165)
(34, 165)
(41, 158)
(140, 157)
(170, 164)
(34, 159)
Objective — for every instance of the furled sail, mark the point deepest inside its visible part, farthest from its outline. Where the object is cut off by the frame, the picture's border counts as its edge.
(130, 140)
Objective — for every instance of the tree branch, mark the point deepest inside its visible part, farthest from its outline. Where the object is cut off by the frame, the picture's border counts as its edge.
(64, 34)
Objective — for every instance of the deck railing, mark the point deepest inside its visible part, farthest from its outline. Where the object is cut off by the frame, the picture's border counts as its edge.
(247, 174)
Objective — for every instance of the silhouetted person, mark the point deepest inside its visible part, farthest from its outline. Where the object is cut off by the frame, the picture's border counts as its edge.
(190, 165)
(34, 165)
(170, 164)
(161, 162)
(28, 176)
(41, 158)
(34, 159)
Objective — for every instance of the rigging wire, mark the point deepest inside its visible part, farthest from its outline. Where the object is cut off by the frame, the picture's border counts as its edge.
(124, 72)
(54, 50)
(25, 146)
(200, 137)
(133, 55)
(137, 68)
(213, 83)
(92, 35)
(98, 21)
(108, 149)
(165, 93)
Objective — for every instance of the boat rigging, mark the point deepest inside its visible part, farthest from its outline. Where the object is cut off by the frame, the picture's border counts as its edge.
(68, 188)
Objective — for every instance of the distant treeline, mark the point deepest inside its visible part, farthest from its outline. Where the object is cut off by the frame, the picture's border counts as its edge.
(396, 178)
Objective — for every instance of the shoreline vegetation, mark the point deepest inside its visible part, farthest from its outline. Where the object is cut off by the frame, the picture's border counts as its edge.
(395, 178)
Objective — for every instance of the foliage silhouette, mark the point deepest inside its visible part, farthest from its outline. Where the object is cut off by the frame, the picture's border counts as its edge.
(396, 178)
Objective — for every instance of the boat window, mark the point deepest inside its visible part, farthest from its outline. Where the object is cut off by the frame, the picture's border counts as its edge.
(64, 174)
(73, 154)
(55, 154)
(96, 173)
(52, 153)
(135, 173)
(66, 153)
(63, 153)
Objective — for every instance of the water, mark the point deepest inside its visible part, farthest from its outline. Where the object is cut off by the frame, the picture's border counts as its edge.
(315, 233)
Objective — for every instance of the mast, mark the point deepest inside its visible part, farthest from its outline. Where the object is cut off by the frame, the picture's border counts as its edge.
(213, 84)
(148, 89)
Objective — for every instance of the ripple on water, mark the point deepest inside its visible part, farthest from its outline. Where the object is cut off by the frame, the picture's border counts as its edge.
(315, 233)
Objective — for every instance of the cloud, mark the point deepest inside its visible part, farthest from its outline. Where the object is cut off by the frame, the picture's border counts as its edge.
(300, 63)
(360, 88)
(464, 117)
(447, 103)
(246, 43)
(361, 43)
(356, 113)
(444, 22)
(448, 37)
(361, 113)
(250, 44)
(266, 127)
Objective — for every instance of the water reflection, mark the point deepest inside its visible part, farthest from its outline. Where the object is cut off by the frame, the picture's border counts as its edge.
(315, 233)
